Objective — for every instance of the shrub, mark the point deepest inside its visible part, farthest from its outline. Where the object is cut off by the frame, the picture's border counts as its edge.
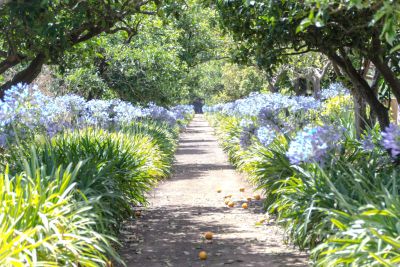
(366, 220)
(118, 168)
(334, 193)
(42, 224)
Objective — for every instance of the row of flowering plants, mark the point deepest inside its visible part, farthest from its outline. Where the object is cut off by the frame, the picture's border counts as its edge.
(73, 170)
(336, 194)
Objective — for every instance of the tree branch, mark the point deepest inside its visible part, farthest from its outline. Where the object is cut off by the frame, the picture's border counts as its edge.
(27, 75)
(298, 53)
(10, 61)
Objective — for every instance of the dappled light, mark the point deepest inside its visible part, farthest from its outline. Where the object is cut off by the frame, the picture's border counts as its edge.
(178, 133)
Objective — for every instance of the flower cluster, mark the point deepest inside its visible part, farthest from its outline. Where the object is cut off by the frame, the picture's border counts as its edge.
(266, 135)
(255, 102)
(160, 113)
(248, 130)
(313, 144)
(391, 140)
(181, 111)
(273, 114)
(334, 89)
(367, 143)
(26, 109)
(276, 102)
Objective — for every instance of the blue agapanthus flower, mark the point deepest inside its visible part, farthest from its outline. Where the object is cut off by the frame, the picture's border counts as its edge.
(313, 144)
(181, 111)
(265, 135)
(334, 89)
(247, 132)
(368, 144)
(26, 109)
(391, 139)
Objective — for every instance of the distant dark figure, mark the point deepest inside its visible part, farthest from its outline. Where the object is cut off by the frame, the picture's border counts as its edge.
(198, 106)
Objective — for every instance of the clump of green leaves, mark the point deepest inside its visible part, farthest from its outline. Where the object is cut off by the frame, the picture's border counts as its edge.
(42, 223)
(345, 209)
(118, 167)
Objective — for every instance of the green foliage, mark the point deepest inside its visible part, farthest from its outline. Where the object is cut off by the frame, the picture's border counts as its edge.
(200, 37)
(227, 128)
(42, 224)
(269, 32)
(118, 169)
(368, 236)
(165, 137)
(86, 82)
(39, 32)
(238, 82)
(268, 166)
(385, 13)
(158, 62)
(53, 216)
(346, 209)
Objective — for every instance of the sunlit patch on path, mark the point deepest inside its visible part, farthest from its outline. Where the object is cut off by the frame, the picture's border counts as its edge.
(170, 232)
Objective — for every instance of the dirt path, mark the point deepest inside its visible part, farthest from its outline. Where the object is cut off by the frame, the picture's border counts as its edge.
(170, 231)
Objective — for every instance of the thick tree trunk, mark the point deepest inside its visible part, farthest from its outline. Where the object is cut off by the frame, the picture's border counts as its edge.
(361, 87)
(300, 86)
(10, 62)
(377, 57)
(27, 75)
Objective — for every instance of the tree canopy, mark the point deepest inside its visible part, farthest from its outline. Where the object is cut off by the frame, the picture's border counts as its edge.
(38, 32)
(271, 31)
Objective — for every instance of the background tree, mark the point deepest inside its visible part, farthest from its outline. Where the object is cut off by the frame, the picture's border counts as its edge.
(170, 59)
(350, 36)
(34, 33)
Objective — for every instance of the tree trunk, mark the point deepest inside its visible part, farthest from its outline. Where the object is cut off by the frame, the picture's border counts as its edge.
(378, 60)
(375, 88)
(300, 86)
(360, 114)
(271, 87)
(316, 83)
(317, 78)
(27, 75)
(361, 87)
(10, 62)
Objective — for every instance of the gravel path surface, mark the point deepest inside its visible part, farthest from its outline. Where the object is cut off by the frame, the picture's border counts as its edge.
(170, 231)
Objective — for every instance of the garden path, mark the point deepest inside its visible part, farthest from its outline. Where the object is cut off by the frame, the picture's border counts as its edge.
(170, 231)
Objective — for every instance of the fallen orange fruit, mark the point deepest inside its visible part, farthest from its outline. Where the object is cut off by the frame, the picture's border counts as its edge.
(245, 206)
(138, 213)
(219, 190)
(257, 197)
(208, 235)
(227, 201)
(202, 255)
(231, 204)
(241, 189)
(227, 196)
(249, 198)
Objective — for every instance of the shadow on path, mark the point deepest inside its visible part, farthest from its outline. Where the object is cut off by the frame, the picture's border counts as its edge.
(179, 240)
(170, 231)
